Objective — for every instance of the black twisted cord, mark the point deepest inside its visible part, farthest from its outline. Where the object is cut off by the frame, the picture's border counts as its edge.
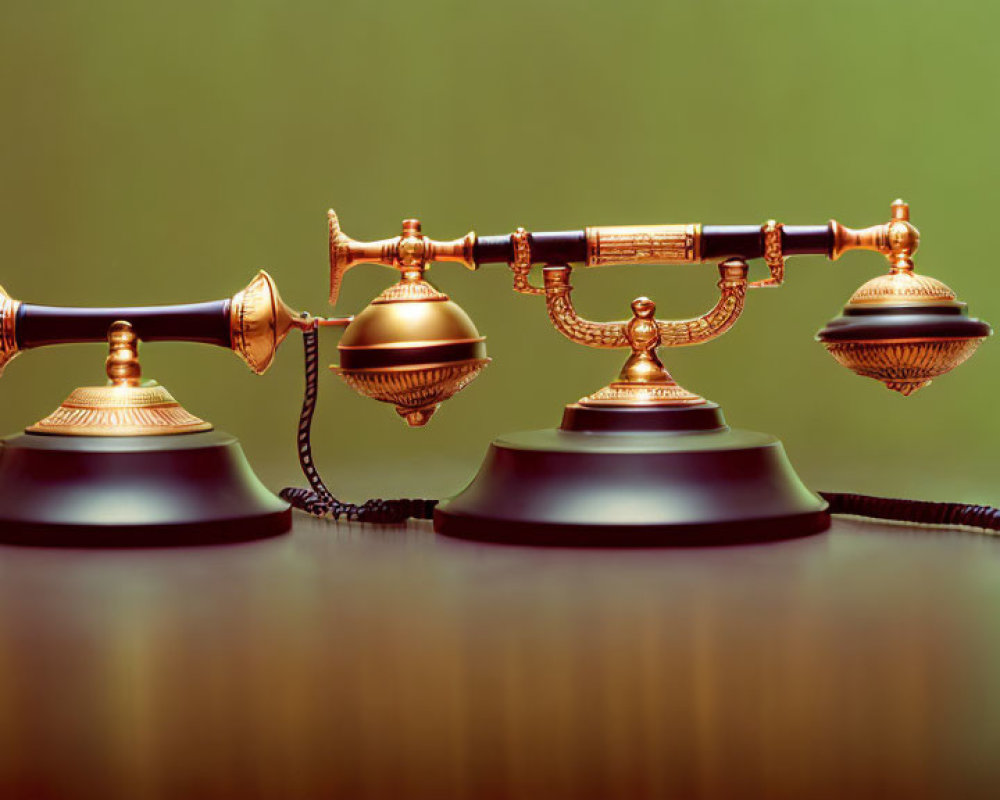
(318, 501)
(918, 511)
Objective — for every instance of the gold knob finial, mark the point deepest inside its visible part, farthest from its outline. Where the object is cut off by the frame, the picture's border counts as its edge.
(643, 335)
(411, 251)
(902, 238)
(122, 364)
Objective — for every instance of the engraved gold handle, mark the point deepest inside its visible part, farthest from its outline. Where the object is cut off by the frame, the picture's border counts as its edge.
(643, 244)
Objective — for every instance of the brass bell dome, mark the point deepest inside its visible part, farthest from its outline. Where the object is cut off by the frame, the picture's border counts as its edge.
(903, 329)
(412, 347)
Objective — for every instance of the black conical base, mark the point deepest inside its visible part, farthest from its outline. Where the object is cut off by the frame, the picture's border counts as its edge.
(635, 477)
(136, 491)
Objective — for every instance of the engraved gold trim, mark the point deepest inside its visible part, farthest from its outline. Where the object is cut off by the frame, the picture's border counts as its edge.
(120, 411)
(521, 264)
(902, 288)
(732, 289)
(408, 291)
(773, 255)
(619, 394)
(8, 328)
(259, 321)
(732, 298)
(559, 302)
(123, 408)
(643, 380)
(903, 365)
(415, 391)
(643, 244)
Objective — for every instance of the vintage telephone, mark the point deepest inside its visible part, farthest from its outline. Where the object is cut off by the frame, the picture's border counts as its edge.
(641, 461)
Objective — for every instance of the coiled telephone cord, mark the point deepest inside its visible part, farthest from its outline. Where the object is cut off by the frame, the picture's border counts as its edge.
(917, 511)
(319, 502)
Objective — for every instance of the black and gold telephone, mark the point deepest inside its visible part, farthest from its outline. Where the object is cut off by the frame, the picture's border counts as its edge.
(640, 461)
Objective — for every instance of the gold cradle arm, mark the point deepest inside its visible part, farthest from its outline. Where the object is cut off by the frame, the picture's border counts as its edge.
(643, 380)
(569, 323)
(732, 296)
(679, 333)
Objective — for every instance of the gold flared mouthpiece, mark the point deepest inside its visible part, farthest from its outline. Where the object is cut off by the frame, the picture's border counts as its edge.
(903, 329)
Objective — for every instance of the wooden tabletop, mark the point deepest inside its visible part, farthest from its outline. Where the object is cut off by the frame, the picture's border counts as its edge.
(349, 661)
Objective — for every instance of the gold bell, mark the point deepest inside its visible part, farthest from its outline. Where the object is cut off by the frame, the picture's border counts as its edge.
(412, 347)
(903, 329)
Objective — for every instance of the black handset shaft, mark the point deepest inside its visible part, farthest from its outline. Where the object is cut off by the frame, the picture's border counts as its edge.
(718, 242)
(209, 323)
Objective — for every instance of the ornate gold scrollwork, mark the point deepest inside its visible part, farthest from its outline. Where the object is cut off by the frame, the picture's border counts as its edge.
(732, 287)
(732, 296)
(568, 322)
(773, 255)
(124, 406)
(521, 264)
(644, 380)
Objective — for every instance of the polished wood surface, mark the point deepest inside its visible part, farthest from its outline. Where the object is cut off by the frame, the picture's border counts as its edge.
(347, 661)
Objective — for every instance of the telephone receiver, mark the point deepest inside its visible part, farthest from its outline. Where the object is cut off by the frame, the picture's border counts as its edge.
(617, 471)
(901, 328)
(252, 323)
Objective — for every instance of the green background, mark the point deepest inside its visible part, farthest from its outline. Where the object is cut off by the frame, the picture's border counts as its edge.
(162, 152)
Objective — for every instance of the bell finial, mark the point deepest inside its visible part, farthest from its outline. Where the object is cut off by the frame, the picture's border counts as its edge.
(122, 364)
